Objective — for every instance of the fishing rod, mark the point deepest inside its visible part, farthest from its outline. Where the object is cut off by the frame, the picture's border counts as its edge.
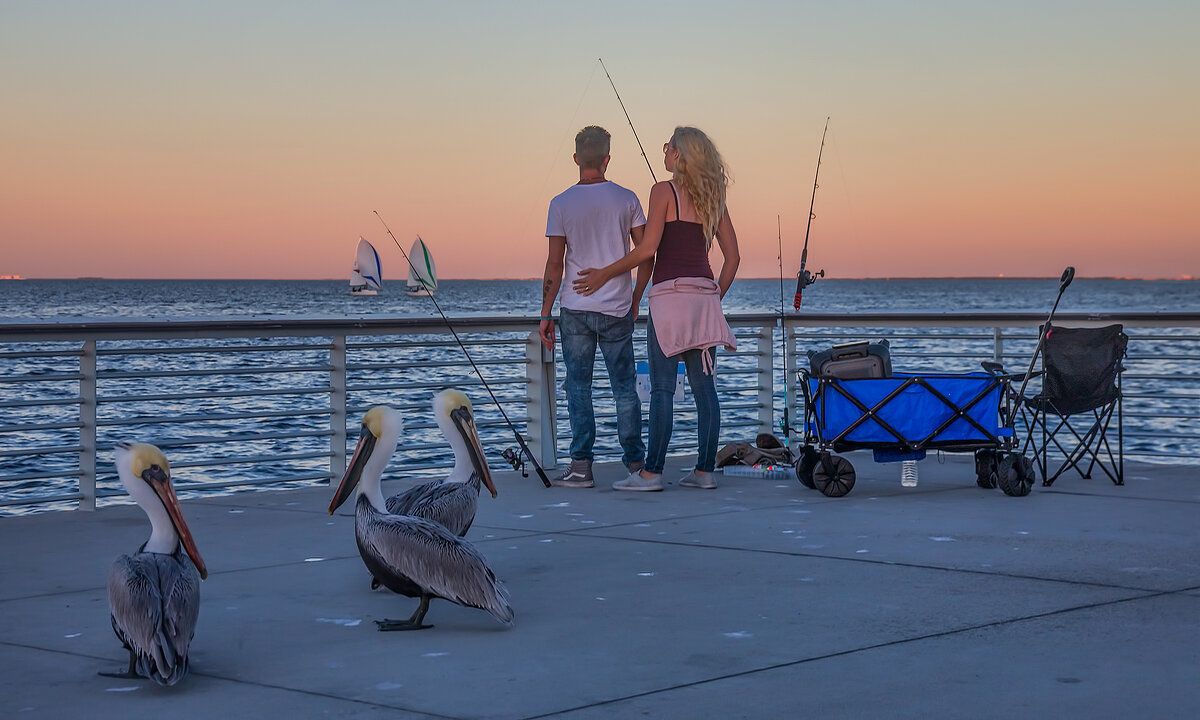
(631, 127)
(520, 440)
(785, 426)
(803, 277)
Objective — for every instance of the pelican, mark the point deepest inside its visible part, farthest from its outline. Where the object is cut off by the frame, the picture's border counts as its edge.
(411, 555)
(154, 594)
(452, 501)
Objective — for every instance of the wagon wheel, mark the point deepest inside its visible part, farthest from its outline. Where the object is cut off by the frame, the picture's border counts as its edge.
(985, 468)
(833, 475)
(804, 466)
(1026, 474)
(1015, 474)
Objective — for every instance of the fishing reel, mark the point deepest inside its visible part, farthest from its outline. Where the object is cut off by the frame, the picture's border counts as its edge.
(515, 459)
(804, 278)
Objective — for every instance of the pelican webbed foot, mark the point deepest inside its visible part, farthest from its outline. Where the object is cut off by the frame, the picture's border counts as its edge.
(387, 625)
(130, 674)
(413, 623)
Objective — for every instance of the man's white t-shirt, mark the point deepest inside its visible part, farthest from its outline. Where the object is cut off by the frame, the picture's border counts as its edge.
(596, 220)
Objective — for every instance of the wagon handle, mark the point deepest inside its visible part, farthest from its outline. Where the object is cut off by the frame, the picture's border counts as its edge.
(1067, 276)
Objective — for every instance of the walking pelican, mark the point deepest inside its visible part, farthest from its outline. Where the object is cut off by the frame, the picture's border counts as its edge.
(411, 555)
(154, 594)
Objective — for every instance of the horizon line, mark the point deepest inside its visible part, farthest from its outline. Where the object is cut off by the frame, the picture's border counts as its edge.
(1180, 278)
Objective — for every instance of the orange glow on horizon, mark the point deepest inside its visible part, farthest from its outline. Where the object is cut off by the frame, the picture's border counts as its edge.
(155, 147)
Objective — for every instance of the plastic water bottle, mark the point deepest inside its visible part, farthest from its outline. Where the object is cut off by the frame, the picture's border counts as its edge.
(908, 473)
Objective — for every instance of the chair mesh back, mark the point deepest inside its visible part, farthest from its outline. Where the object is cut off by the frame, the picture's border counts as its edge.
(1081, 367)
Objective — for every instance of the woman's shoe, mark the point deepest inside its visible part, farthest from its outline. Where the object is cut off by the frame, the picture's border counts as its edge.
(704, 481)
(637, 483)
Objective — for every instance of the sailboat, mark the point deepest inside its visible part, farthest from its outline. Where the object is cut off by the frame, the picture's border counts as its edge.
(422, 276)
(366, 275)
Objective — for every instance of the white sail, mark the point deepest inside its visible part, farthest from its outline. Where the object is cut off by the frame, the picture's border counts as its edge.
(422, 275)
(366, 275)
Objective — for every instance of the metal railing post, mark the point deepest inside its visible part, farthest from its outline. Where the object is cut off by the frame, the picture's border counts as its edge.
(765, 378)
(87, 426)
(337, 407)
(997, 345)
(540, 405)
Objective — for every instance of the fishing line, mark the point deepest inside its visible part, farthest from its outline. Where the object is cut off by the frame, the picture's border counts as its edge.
(520, 440)
(570, 131)
(627, 119)
(856, 233)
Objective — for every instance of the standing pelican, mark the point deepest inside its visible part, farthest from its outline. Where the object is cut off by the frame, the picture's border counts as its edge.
(452, 501)
(411, 555)
(154, 594)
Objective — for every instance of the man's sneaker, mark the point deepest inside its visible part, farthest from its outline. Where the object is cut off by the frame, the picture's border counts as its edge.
(577, 475)
(637, 483)
(694, 480)
(636, 466)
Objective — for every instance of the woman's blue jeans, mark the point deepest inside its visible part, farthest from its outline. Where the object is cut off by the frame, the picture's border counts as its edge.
(582, 331)
(662, 393)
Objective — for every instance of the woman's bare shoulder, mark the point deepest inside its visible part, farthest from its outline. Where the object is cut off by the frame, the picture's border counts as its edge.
(660, 187)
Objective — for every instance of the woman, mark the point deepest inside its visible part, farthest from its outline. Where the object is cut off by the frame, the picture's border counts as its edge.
(685, 320)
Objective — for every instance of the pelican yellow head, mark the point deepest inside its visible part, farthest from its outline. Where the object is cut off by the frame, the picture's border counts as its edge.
(147, 463)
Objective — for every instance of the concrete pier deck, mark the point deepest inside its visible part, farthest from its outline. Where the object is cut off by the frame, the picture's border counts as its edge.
(761, 599)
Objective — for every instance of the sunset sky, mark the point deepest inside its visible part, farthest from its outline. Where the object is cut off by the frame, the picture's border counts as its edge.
(254, 140)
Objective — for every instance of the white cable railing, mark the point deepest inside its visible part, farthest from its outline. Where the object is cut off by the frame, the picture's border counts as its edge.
(241, 405)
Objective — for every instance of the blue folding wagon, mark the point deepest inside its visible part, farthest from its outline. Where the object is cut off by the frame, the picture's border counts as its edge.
(854, 402)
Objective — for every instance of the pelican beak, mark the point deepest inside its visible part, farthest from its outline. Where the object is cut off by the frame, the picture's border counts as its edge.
(160, 482)
(362, 453)
(465, 423)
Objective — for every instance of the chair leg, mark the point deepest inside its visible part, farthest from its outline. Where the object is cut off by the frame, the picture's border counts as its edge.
(1120, 479)
(1087, 446)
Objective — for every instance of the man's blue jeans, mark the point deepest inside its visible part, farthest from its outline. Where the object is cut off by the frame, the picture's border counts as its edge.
(582, 332)
(663, 370)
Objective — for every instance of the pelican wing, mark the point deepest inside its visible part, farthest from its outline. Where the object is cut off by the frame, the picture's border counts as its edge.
(450, 504)
(415, 496)
(429, 555)
(155, 600)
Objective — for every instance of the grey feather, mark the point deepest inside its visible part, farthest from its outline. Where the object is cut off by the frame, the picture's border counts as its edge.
(154, 601)
(427, 554)
(450, 504)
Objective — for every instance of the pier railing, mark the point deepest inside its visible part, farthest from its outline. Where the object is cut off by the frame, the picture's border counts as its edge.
(253, 404)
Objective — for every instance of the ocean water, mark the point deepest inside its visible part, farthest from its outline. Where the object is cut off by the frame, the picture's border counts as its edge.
(73, 299)
(1153, 358)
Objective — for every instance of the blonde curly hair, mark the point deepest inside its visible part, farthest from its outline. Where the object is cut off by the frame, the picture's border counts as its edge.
(701, 172)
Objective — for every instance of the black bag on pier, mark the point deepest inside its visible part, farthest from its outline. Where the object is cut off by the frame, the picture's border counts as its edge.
(852, 361)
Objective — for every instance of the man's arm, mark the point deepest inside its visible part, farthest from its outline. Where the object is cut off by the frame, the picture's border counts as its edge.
(551, 282)
(644, 270)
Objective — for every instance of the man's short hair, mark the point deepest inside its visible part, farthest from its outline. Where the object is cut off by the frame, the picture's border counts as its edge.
(591, 146)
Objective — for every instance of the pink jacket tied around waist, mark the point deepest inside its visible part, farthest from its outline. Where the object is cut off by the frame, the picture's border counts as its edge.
(687, 316)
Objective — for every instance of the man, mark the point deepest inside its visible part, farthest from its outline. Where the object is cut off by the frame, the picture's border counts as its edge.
(590, 224)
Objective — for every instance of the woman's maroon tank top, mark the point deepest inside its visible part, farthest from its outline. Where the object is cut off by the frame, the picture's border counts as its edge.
(682, 251)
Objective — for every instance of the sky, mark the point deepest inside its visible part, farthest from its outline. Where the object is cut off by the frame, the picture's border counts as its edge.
(257, 140)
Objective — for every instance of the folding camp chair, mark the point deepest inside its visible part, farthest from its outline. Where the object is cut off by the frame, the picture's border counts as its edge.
(1081, 385)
